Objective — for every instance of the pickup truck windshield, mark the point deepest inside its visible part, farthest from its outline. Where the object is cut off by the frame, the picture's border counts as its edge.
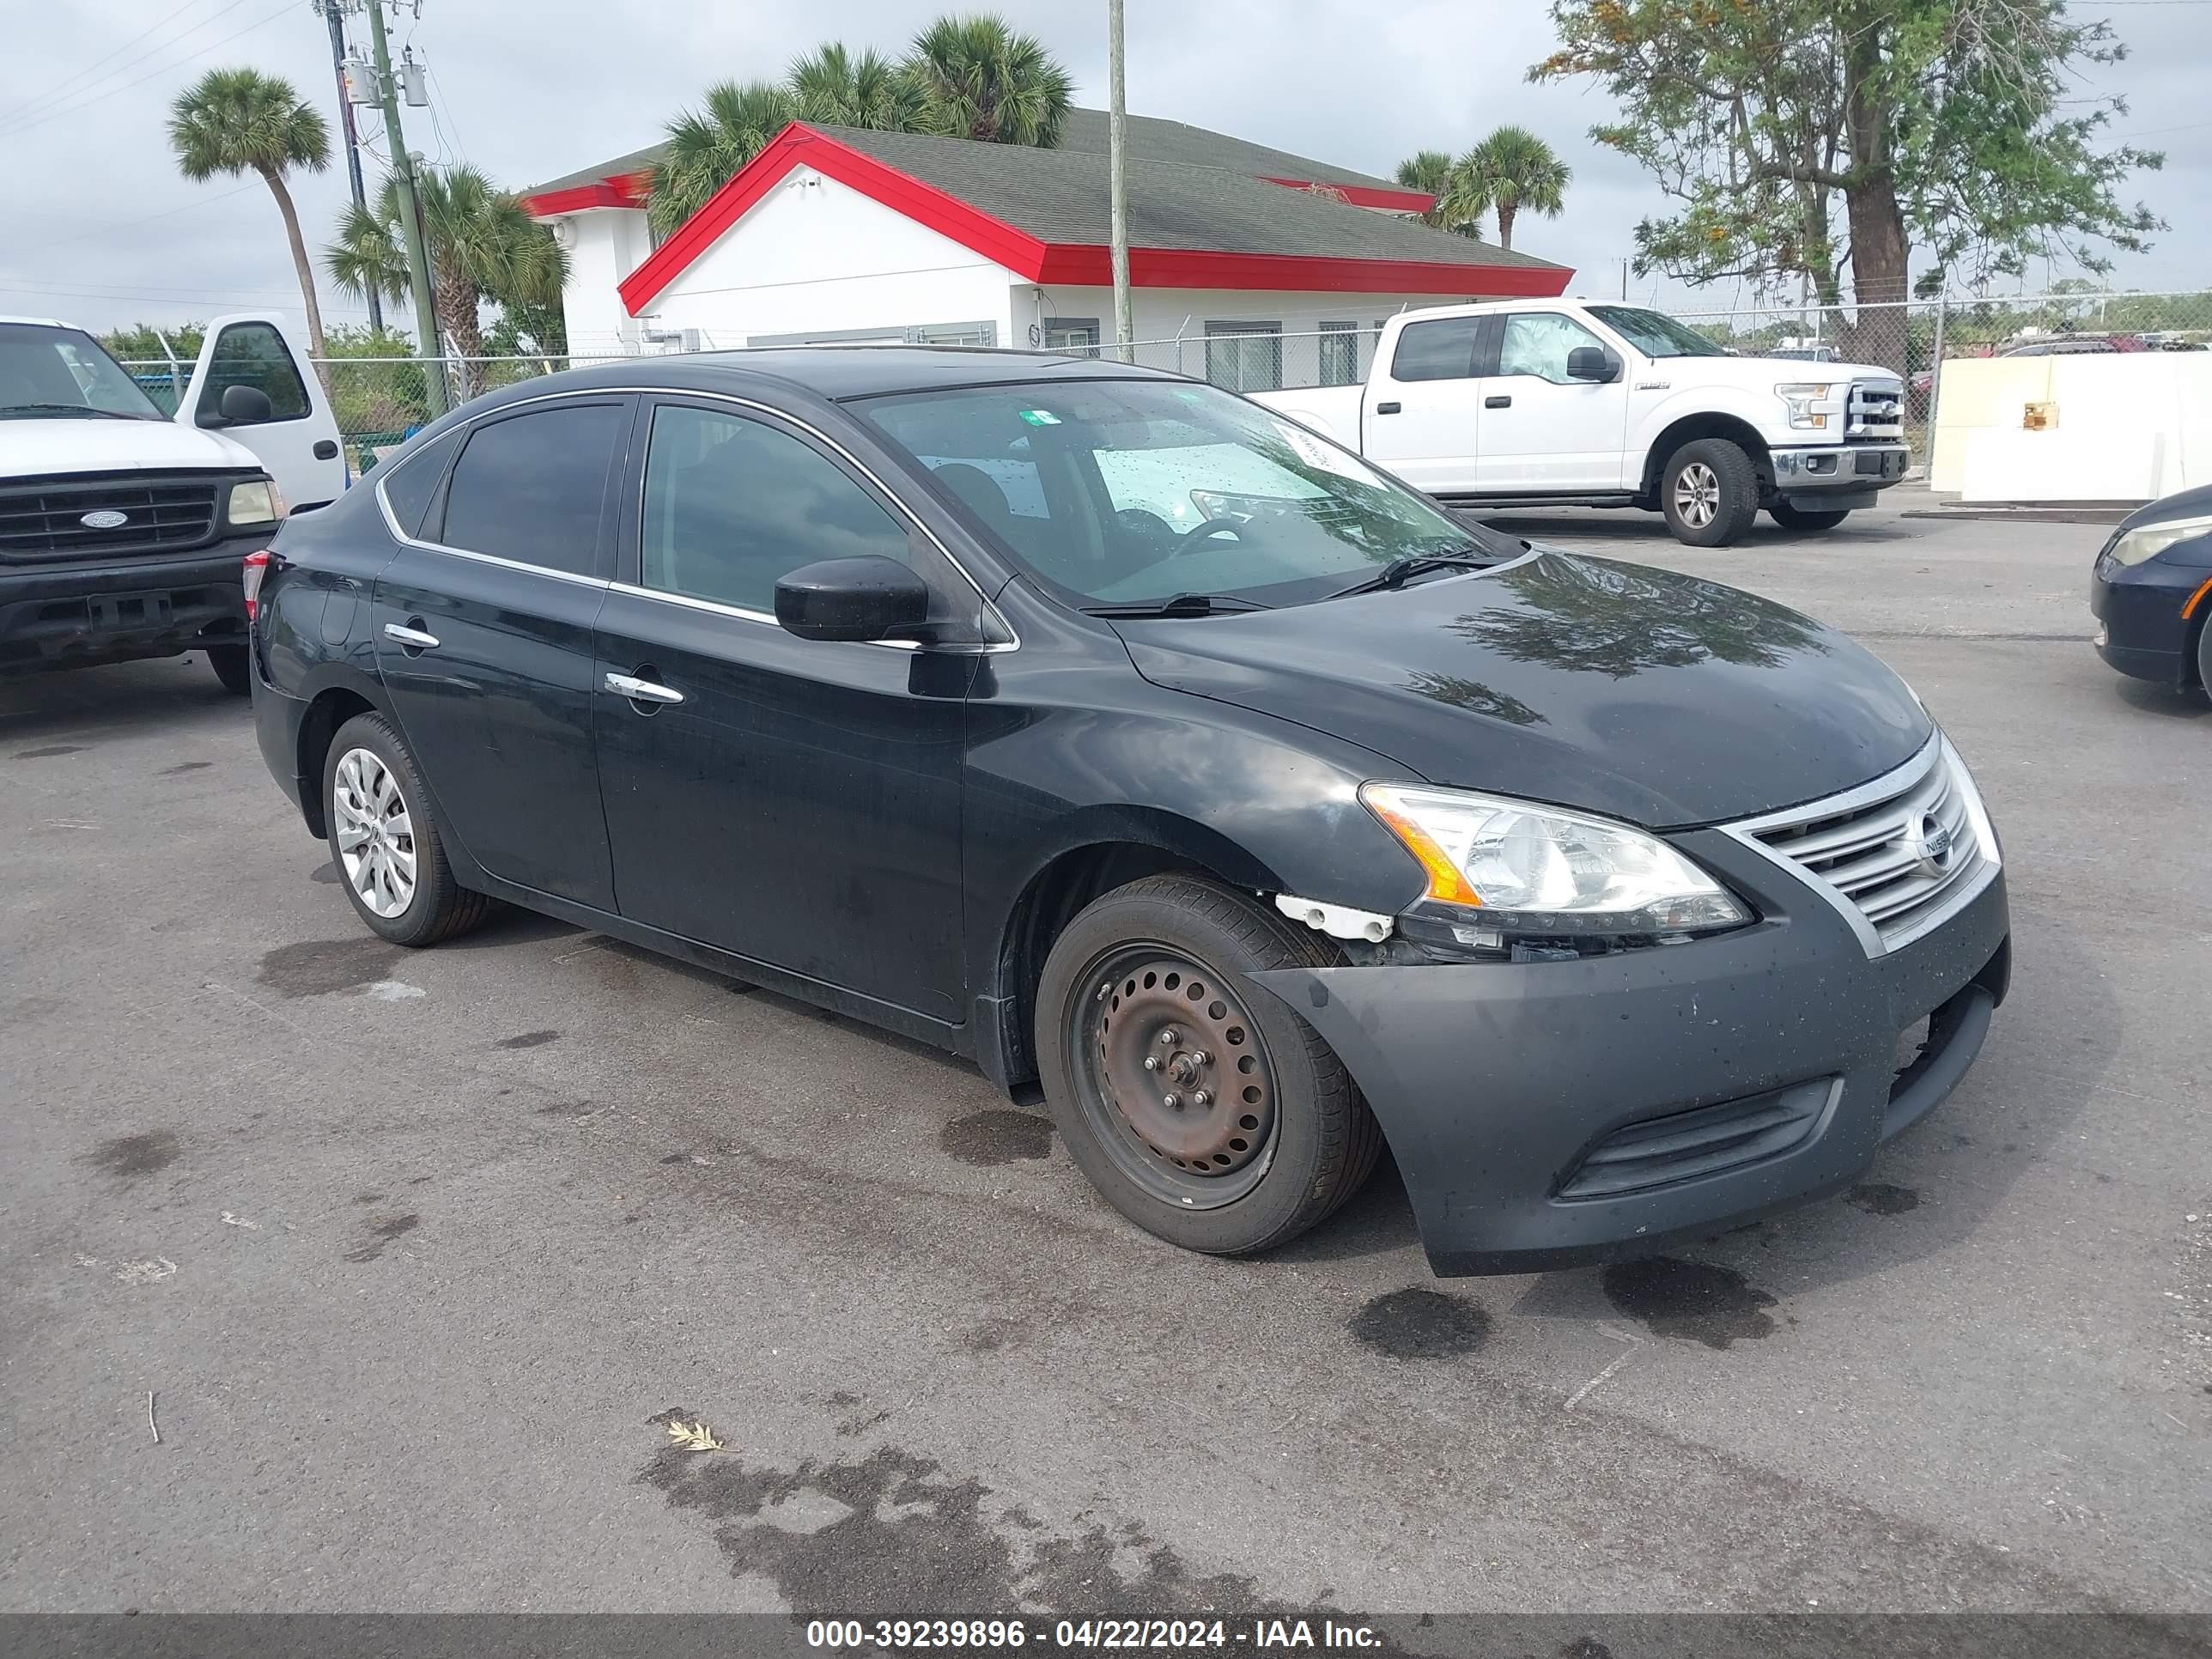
(1656, 335)
(48, 372)
(1129, 492)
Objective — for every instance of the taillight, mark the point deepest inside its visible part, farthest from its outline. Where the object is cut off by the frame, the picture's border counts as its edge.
(256, 567)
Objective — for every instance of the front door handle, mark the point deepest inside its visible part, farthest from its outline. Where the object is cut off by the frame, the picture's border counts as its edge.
(1387, 409)
(1498, 403)
(641, 690)
(413, 638)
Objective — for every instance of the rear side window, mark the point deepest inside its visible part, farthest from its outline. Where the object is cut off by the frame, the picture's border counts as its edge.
(530, 488)
(733, 504)
(254, 353)
(1442, 351)
(413, 480)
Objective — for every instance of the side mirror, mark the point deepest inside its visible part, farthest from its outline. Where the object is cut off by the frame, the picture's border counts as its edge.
(241, 405)
(1593, 363)
(870, 598)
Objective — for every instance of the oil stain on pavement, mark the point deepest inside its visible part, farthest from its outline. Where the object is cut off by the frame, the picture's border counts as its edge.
(1880, 1198)
(316, 967)
(892, 1528)
(183, 767)
(50, 752)
(998, 1136)
(143, 1154)
(1693, 1300)
(1421, 1324)
(385, 1230)
(528, 1039)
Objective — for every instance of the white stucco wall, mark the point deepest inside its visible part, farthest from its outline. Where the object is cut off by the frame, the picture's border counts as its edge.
(607, 245)
(2130, 426)
(814, 257)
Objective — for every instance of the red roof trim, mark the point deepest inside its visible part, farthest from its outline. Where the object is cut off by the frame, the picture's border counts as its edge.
(1037, 261)
(1366, 196)
(627, 190)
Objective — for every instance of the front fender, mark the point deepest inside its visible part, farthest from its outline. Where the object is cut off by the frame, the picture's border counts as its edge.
(1759, 411)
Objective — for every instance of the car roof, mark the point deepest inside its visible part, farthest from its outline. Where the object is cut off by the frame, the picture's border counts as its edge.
(41, 322)
(836, 372)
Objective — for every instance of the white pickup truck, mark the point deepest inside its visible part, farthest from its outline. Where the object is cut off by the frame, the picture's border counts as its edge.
(1572, 403)
(123, 530)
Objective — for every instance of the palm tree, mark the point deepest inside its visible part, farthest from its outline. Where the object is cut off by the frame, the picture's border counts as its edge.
(1430, 171)
(832, 86)
(979, 79)
(240, 120)
(480, 245)
(1510, 170)
(707, 147)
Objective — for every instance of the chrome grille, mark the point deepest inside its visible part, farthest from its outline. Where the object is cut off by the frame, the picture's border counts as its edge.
(46, 522)
(1875, 411)
(1899, 855)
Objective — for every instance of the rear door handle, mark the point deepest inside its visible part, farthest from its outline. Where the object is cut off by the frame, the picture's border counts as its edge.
(1387, 409)
(413, 638)
(638, 690)
(1498, 403)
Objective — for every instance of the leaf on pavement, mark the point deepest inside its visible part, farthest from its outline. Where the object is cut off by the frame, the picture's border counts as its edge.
(695, 1437)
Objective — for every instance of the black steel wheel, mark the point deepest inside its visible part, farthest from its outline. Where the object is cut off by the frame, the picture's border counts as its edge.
(1199, 1106)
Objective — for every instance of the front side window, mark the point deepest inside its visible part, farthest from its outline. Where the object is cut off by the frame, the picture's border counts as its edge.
(1152, 488)
(1657, 335)
(1441, 350)
(1537, 342)
(530, 488)
(48, 372)
(733, 504)
(255, 354)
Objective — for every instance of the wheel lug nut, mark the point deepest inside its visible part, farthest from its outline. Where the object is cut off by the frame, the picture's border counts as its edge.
(1200, 1097)
(1201, 1058)
(1151, 1062)
(1168, 1037)
(1173, 1102)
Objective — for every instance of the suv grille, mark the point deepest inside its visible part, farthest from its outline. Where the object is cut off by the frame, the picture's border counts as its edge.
(48, 520)
(1902, 853)
(1875, 411)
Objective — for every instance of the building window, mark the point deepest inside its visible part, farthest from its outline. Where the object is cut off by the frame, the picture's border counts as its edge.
(1244, 356)
(1339, 354)
(962, 334)
(1078, 336)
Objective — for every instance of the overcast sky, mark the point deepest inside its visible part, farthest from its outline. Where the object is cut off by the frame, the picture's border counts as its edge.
(97, 225)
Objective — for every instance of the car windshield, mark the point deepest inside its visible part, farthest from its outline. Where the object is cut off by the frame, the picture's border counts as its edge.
(1656, 335)
(47, 371)
(1125, 493)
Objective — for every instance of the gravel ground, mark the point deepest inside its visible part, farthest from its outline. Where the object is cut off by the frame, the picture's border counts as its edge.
(416, 1253)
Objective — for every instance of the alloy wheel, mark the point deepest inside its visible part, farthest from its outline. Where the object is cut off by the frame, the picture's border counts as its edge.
(1697, 494)
(374, 832)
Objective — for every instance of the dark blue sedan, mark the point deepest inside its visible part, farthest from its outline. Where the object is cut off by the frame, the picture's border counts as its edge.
(2152, 592)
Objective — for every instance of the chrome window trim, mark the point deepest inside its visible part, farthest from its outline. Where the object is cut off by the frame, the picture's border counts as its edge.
(991, 611)
(1936, 751)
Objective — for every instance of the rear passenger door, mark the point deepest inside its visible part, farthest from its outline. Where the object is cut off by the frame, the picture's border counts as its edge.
(483, 625)
(795, 801)
(1423, 416)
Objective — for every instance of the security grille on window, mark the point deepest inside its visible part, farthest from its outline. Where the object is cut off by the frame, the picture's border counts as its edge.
(1076, 335)
(1244, 356)
(1339, 354)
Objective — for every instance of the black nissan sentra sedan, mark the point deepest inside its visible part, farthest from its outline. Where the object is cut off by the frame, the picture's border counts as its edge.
(2152, 592)
(1138, 743)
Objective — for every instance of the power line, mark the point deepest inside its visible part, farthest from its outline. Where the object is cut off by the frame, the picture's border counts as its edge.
(200, 51)
(130, 224)
(63, 91)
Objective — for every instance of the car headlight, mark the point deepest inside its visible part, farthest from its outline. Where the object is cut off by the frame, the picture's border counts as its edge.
(2153, 539)
(257, 503)
(1799, 399)
(1519, 867)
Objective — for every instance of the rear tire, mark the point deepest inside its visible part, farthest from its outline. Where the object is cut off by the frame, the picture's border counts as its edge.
(1709, 492)
(1269, 1135)
(1798, 518)
(232, 666)
(386, 841)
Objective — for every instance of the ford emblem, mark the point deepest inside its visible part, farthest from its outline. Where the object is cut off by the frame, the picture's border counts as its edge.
(105, 519)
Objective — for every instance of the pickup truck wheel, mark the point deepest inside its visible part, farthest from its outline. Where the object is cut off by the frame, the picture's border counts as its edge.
(1201, 1108)
(1798, 518)
(386, 841)
(231, 667)
(1709, 492)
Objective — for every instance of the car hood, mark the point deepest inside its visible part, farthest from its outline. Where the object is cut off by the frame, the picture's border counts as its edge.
(43, 449)
(1759, 374)
(2183, 504)
(1615, 689)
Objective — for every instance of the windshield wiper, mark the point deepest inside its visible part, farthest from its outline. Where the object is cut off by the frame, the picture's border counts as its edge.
(1407, 565)
(1182, 605)
(67, 408)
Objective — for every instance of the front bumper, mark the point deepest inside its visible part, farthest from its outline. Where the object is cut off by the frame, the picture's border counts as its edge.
(78, 615)
(1495, 1083)
(2140, 628)
(1831, 475)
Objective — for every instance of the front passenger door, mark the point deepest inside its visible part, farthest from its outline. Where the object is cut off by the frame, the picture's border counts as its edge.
(793, 801)
(1543, 431)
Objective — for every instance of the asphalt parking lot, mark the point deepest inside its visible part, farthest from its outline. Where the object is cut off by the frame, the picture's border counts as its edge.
(411, 1250)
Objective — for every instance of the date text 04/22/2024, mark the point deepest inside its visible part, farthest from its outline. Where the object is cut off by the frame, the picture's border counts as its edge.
(1120, 1635)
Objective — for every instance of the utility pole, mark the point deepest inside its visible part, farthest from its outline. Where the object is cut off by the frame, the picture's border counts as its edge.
(410, 223)
(333, 13)
(1117, 123)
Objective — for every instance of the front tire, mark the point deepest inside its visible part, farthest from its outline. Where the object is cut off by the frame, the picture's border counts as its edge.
(1247, 1130)
(1798, 518)
(1709, 492)
(386, 841)
(232, 667)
